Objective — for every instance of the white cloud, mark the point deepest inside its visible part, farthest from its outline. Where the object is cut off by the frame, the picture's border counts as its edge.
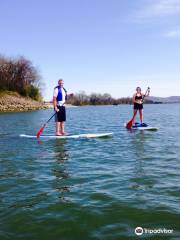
(158, 8)
(173, 33)
(166, 7)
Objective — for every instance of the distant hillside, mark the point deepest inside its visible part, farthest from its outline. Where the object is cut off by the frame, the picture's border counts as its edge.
(171, 99)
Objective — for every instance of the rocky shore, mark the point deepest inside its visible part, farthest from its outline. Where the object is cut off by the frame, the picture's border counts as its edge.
(13, 102)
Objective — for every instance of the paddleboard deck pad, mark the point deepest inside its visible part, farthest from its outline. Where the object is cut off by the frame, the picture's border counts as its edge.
(88, 135)
(139, 126)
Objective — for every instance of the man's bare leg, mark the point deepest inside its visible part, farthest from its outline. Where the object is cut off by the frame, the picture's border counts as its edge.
(62, 125)
(58, 128)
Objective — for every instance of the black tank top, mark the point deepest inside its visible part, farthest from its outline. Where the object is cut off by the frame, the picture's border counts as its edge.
(138, 97)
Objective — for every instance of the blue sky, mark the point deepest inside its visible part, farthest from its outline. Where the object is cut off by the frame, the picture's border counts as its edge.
(97, 45)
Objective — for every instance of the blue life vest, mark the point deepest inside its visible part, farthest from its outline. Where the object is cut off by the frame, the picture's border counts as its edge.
(60, 96)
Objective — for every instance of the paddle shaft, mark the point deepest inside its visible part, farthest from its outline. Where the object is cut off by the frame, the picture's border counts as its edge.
(148, 89)
(50, 118)
(42, 129)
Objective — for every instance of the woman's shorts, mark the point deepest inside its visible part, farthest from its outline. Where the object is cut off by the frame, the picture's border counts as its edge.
(138, 106)
(61, 115)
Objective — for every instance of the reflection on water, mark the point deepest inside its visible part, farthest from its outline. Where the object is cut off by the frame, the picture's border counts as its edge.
(61, 152)
(142, 179)
(60, 171)
(139, 142)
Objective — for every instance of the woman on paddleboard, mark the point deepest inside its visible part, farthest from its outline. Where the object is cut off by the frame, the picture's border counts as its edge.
(138, 99)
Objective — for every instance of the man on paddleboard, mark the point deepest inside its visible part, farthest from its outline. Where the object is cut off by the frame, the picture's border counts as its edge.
(59, 98)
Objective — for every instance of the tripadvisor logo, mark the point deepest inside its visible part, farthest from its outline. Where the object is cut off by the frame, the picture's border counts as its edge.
(139, 231)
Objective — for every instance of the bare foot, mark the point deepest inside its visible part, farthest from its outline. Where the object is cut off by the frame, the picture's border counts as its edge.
(64, 133)
(59, 134)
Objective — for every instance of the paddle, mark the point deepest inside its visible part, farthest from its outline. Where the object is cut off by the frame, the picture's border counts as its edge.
(42, 129)
(130, 123)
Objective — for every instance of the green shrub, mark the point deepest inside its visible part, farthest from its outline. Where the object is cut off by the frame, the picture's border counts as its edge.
(32, 92)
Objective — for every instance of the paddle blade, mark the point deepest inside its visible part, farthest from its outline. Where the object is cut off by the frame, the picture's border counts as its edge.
(129, 124)
(40, 132)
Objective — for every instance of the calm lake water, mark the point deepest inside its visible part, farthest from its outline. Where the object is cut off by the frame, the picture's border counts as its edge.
(85, 189)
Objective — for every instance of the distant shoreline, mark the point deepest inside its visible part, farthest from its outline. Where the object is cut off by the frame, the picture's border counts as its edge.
(13, 102)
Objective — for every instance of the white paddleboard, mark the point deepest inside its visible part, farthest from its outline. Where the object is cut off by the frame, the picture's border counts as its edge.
(88, 135)
(148, 128)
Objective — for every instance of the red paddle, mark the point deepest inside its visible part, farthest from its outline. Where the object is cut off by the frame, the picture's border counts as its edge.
(130, 123)
(42, 129)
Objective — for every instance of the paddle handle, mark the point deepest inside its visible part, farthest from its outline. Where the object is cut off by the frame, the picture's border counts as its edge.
(148, 90)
